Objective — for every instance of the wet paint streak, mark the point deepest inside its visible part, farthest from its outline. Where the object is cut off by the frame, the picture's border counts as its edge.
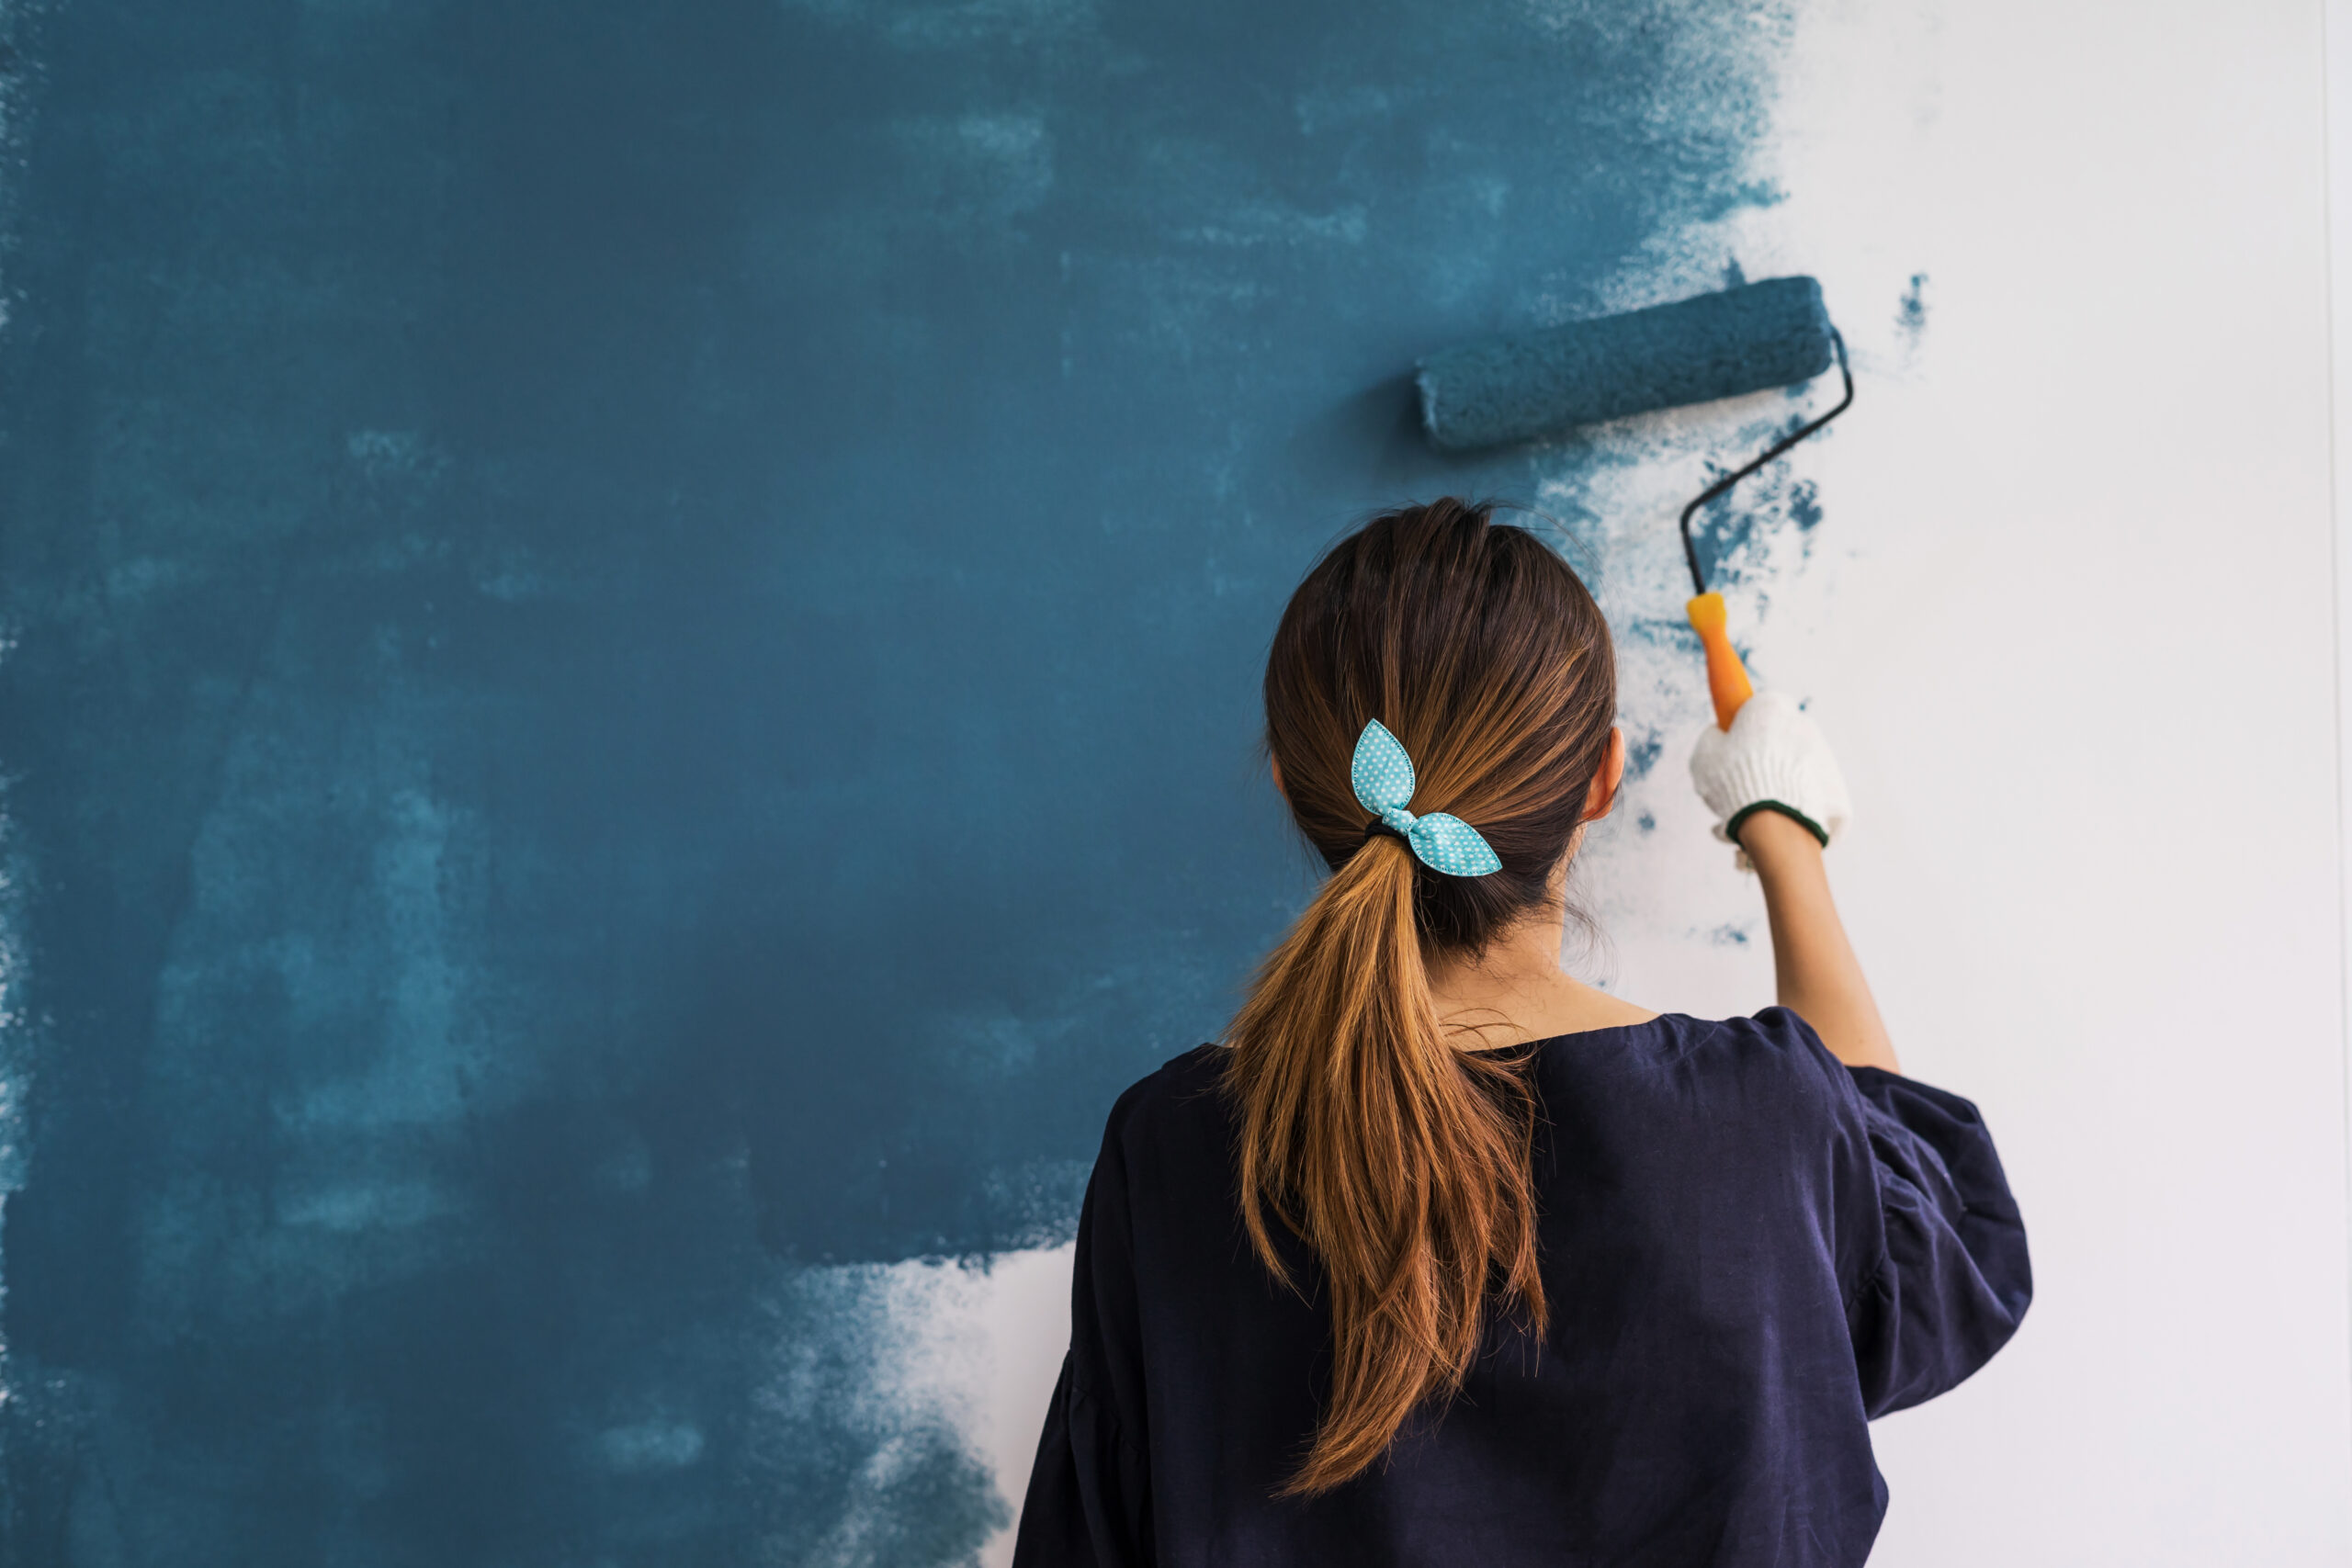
(633, 688)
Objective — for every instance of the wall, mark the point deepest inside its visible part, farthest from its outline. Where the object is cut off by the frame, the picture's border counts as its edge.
(629, 702)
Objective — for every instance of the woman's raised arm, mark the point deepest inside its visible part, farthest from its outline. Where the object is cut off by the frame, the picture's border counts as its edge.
(1777, 793)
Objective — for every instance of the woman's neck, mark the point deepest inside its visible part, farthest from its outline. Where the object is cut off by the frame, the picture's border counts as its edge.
(1516, 991)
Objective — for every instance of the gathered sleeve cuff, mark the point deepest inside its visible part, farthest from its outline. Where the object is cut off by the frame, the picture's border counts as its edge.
(1942, 1276)
(1086, 1501)
(1089, 1503)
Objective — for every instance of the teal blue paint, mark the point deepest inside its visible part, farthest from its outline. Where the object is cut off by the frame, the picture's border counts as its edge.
(1642, 754)
(1911, 311)
(635, 640)
(1734, 535)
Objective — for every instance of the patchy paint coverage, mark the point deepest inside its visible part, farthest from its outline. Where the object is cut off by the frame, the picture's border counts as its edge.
(635, 650)
(1911, 311)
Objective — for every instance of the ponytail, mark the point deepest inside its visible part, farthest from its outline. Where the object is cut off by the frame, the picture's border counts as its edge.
(1401, 1160)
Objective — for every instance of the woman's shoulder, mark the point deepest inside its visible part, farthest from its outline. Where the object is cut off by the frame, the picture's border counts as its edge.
(1773, 1033)
(1186, 1090)
(1772, 1060)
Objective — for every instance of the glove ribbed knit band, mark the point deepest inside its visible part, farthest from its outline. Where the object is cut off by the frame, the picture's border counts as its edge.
(1731, 827)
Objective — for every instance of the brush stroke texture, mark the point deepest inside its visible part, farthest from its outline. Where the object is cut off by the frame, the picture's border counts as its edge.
(634, 679)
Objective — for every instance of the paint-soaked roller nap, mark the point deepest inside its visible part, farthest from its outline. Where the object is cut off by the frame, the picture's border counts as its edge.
(1516, 387)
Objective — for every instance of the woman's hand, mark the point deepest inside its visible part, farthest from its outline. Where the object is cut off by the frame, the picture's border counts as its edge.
(1777, 793)
(1773, 759)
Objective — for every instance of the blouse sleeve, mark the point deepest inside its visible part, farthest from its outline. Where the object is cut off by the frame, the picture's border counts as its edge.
(1079, 1512)
(1089, 1503)
(1941, 1277)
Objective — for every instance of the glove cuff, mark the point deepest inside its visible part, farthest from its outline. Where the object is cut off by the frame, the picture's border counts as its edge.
(1732, 825)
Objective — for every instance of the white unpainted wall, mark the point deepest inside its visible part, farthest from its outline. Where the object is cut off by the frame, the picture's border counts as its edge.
(2073, 622)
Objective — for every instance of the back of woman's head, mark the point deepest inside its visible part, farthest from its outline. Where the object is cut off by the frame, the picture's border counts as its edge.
(1398, 1156)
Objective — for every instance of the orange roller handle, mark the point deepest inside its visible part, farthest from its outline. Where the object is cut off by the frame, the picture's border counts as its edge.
(1728, 680)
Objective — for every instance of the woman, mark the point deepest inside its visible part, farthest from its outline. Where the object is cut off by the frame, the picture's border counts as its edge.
(1445, 1257)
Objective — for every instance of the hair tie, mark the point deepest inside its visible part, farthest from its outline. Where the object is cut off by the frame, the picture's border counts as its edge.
(1383, 777)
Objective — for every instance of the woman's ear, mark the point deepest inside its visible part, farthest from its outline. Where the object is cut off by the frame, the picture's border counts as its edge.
(1600, 796)
(1278, 779)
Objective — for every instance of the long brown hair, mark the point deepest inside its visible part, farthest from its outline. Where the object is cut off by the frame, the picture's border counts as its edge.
(1401, 1159)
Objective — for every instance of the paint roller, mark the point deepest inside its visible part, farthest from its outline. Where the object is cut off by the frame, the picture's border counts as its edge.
(1501, 390)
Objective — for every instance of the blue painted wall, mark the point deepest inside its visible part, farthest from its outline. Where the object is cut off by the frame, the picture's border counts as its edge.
(634, 638)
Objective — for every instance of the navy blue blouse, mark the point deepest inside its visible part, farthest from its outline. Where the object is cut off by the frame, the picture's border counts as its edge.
(1750, 1248)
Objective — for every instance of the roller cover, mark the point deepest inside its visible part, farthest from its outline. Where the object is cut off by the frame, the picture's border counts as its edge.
(1502, 389)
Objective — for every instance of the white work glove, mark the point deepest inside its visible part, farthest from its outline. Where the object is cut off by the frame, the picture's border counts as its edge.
(1772, 753)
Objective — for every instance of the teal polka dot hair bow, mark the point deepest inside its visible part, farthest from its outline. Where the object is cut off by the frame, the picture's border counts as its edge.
(1383, 776)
